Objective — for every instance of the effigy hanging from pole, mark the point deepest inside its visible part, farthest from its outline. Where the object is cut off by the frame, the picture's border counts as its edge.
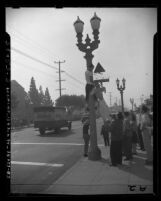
(99, 76)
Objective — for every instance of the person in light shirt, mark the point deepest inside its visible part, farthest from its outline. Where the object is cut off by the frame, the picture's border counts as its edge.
(140, 137)
(146, 132)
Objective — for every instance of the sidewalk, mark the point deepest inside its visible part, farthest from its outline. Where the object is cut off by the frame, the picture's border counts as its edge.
(97, 177)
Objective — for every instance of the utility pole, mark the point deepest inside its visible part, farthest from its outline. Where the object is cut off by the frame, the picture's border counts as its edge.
(60, 80)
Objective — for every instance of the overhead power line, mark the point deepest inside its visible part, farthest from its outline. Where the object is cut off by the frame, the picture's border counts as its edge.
(29, 40)
(74, 78)
(44, 63)
(25, 38)
(33, 69)
(33, 58)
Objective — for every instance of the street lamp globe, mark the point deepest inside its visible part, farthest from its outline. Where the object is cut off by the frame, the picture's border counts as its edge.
(117, 82)
(123, 81)
(95, 22)
(78, 25)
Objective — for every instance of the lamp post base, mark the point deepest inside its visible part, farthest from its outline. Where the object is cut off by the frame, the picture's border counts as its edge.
(94, 154)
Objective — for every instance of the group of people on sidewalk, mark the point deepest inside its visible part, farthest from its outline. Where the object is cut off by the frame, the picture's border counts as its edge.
(123, 133)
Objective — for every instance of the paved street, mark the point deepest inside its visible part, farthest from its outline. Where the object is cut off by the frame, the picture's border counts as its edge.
(38, 161)
(41, 162)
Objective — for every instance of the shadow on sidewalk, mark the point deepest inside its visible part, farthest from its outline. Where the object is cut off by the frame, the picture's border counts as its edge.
(62, 133)
(139, 169)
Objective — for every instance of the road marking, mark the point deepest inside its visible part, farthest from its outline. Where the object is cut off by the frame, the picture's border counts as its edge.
(34, 163)
(14, 152)
(49, 143)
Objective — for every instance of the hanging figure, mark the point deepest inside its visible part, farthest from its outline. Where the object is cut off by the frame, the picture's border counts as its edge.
(103, 108)
(89, 85)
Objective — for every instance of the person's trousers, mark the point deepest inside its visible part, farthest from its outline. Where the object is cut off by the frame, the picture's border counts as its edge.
(116, 152)
(147, 144)
(133, 147)
(128, 147)
(141, 143)
(86, 144)
(106, 140)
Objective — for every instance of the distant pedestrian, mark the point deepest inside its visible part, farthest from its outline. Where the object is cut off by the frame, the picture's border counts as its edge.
(146, 128)
(105, 132)
(127, 132)
(116, 130)
(86, 136)
(139, 132)
(134, 133)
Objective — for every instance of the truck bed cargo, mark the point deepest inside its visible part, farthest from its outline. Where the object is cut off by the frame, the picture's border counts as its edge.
(49, 117)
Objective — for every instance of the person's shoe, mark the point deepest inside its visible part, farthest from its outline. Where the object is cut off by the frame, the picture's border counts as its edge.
(119, 164)
(147, 162)
(142, 149)
(126, 159)
(134, 153)
(85, 155)
(113, 165)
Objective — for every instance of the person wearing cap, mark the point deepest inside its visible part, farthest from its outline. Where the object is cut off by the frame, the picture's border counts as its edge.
(146, 128)
(86, 136)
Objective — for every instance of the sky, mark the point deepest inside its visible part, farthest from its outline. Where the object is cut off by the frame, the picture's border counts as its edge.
(47, 35)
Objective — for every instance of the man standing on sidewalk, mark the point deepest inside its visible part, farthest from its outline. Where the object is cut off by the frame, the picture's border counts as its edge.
(146, 131)
(105, 132)
(127, 130)
(86, 136)
(116, 130)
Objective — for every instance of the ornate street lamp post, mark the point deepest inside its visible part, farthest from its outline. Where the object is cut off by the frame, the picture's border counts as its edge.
(88, 47)
(121, 88)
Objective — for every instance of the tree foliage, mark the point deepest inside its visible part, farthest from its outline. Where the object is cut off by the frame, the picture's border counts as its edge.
(41, 95)
(71, 100)
(34, 94)
(47, 98)
(14, 101)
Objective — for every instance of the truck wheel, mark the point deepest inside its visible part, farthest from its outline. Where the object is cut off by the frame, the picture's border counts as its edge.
(42, 131)
(57, 130)
(70, 126)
